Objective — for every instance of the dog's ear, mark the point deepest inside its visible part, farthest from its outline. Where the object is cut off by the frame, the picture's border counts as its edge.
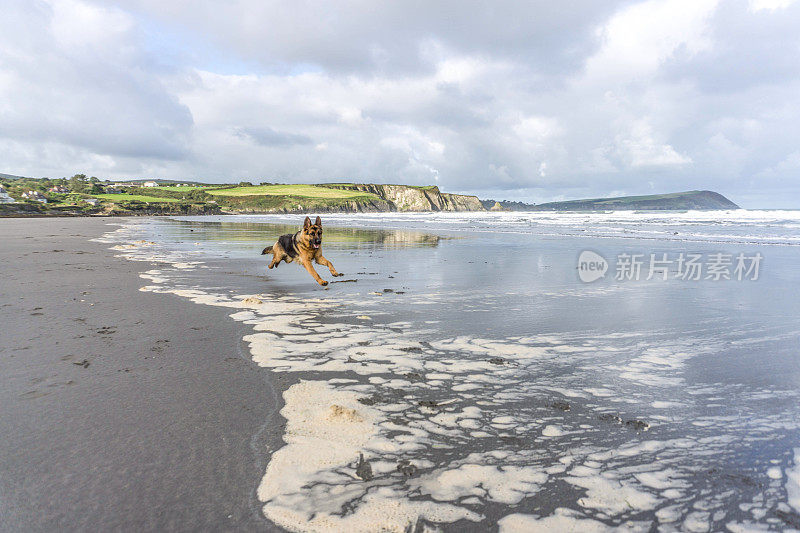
(318, 222)
(306, 223)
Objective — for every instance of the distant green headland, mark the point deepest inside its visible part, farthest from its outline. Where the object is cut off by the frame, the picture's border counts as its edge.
(79, 195)
(677, 201)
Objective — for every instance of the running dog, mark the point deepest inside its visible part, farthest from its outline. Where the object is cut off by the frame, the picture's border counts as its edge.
(305, 246)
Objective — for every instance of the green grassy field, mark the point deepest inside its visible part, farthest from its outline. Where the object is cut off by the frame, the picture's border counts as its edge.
(421, 187)
(632, 199)
(176, 188)
(304, 191)
(121, 197)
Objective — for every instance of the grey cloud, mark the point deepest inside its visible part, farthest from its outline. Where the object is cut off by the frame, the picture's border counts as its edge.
(107, 97)
(394, 37)
(269, 137)
(749, 49)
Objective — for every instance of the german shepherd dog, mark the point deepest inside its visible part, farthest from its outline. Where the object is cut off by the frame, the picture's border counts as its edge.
(305, 246)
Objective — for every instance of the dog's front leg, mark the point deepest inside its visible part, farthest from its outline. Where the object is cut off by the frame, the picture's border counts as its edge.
(310, 268)
(324, 262)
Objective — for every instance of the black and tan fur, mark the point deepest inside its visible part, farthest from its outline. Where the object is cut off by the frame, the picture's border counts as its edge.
(304, 246)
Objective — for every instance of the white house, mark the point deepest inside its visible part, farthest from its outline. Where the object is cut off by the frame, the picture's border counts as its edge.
(92, 201)
(35, 195)
(149, 184)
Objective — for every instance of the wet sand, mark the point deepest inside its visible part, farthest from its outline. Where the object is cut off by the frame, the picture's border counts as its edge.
(121, 410)
(478, 391)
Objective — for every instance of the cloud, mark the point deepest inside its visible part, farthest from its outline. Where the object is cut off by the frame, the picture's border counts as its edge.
(269, 137)
(511, 100)
(639, 149)
(387, 37)
(769, 5)
(74, 75)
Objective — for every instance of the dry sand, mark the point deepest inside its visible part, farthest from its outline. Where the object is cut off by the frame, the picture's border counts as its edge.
(121, 410)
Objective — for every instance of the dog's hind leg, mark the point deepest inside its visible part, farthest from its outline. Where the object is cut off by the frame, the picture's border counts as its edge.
(276, 260)
(277, 255)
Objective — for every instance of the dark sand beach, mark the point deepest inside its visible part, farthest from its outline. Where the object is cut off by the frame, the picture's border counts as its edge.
(121, 410)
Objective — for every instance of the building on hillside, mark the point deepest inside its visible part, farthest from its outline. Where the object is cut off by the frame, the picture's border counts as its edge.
(92, 201)
(5, 198)
(35, 196)
(58, 189)
(149, 184)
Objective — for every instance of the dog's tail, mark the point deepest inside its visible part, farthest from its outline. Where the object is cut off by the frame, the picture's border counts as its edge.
(267, 250)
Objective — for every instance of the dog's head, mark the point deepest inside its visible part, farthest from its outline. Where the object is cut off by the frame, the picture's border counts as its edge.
(312, 233)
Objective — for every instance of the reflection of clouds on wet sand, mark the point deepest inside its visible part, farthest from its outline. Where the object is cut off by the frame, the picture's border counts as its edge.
(392, 425)
(262, 232)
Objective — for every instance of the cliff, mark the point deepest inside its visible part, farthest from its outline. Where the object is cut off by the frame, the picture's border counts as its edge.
(497, 206)
(417, 199)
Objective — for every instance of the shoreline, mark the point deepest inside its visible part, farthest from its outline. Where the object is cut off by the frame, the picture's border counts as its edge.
(117, 414)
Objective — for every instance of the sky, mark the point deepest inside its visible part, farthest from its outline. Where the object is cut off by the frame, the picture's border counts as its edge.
(529, 101)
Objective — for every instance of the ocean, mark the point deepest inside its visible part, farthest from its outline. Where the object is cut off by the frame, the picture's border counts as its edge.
(518, 371)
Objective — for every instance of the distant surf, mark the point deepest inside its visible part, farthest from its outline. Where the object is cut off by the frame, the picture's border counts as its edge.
(739, 226)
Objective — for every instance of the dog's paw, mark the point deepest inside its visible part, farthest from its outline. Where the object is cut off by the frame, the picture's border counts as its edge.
(323, 282)
(338, 274)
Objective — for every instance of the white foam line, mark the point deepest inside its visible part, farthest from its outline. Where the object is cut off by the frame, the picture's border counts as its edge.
(793, 482)
(562, 520)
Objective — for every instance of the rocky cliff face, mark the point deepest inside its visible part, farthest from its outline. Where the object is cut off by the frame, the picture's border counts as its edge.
(420, 199)
(497, 206)
(460, 202)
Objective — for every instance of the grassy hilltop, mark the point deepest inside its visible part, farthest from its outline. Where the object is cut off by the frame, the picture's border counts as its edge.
(305, 191)
(81, 195)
